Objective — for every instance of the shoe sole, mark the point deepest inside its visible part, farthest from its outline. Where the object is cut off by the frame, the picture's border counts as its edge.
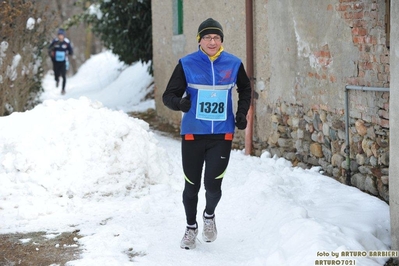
(188, 248)
(208, 240)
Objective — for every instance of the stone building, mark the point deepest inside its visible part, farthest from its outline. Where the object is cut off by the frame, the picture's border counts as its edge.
(321, 79)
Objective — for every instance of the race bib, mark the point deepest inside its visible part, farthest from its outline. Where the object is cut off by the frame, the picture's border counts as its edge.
(212, 105)
(59, 56)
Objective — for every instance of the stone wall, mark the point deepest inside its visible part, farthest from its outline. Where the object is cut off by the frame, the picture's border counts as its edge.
(317, 137)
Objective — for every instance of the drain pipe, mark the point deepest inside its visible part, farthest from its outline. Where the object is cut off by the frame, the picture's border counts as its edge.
(347, 149)
(250, 73)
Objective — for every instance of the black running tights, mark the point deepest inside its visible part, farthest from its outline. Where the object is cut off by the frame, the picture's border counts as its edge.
(60, 70)
(215, 154)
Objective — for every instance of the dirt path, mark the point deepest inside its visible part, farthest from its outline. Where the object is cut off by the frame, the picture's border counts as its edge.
(38, 248)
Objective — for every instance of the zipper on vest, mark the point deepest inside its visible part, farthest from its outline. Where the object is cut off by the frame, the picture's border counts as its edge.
(213, 84)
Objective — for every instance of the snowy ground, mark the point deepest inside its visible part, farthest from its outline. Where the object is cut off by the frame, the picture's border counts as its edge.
(81, 163)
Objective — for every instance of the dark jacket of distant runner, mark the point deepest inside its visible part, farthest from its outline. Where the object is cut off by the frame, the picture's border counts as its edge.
(59, 51)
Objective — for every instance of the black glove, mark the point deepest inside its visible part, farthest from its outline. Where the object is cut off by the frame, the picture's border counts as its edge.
(185, 104)
(241, 121)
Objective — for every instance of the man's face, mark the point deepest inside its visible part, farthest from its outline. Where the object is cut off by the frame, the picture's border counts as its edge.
(211, 43)
(61, 37)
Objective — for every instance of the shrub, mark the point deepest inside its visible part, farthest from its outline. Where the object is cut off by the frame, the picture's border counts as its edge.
(23, 30)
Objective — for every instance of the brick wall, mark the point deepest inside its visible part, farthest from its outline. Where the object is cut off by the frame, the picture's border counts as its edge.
(367, 20)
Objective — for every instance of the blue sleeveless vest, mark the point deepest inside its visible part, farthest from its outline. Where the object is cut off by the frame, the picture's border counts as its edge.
(209, 85)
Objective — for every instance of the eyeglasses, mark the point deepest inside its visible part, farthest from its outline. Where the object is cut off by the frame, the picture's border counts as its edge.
(209, 38)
